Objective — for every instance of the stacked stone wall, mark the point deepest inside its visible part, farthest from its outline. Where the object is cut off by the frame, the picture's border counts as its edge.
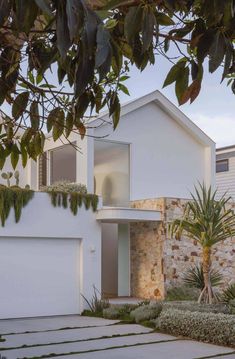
(158, 261)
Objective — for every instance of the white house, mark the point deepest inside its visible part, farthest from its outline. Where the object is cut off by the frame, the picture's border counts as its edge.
(225, 171)
(51, 257)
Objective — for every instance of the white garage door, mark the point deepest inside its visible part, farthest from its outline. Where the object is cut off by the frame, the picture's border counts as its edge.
(39, 277)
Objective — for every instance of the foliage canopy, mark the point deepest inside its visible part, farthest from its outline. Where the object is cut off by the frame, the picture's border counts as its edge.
(89, 45)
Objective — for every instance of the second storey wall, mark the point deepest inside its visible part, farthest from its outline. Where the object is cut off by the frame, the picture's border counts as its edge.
(225, 181)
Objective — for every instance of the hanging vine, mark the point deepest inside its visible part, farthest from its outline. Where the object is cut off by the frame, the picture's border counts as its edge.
(74, 200)
(13, 197)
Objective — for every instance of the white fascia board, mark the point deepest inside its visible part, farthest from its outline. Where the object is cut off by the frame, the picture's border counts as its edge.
(126, 215)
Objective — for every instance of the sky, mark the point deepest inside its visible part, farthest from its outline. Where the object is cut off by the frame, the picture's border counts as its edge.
(213, 111)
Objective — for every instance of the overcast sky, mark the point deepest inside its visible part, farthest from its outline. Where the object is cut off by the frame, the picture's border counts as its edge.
(213, 111)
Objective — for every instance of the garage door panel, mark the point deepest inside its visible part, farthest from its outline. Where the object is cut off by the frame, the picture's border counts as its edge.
(39, 277)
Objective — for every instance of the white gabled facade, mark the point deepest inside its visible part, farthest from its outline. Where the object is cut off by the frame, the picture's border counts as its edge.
(156, 151)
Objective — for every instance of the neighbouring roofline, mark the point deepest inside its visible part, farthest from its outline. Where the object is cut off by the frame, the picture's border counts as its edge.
(168, 107)
(225, 148)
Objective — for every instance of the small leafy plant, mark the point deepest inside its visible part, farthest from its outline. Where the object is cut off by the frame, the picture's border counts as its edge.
(97, 303)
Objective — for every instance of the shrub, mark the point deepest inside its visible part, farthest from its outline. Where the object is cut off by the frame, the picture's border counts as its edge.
(182, 292)
(118, 311)
(194, 277)
(146, 312)
(66, 187)
(229, 293)
(209, 327)
(195, 307)
(97, 303)
(232, 306)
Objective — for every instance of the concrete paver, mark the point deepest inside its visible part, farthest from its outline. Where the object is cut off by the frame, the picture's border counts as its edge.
(86, 345)
(83, 336)
(50, 323)
(61, 336)
(182, 349)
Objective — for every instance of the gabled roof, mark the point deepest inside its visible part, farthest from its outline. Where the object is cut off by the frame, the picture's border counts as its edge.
(168, 107)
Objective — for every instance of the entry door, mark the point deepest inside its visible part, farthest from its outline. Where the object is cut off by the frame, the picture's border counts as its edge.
(39, 277)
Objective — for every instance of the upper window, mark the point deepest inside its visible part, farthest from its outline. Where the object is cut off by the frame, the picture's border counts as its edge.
(63, 164)
(221, 165)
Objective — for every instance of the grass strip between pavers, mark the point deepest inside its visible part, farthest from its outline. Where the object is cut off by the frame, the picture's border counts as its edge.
(53, 355)
(25, 346)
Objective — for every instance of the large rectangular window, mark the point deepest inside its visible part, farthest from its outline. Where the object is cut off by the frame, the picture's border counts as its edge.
(111, 170)
(63, 164)
(222, 166)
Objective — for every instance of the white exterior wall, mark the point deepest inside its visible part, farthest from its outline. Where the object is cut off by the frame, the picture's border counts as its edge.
(225, 181)
(166, 160)
(41, 221)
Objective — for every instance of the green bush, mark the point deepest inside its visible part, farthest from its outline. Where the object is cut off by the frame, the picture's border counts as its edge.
(118, 311)
(232, 306)
(195, 307)
(182, 292)
(209, 327)
(66, 187)
(229, 293)
(146, 312)
(194, 277)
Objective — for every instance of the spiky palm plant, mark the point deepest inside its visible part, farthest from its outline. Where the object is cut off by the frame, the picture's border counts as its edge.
(209, 222)
(194, 277)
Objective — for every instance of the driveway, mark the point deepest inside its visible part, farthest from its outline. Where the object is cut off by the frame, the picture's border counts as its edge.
(72, 337)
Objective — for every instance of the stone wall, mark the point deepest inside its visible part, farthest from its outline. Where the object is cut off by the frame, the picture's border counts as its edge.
(158, 261)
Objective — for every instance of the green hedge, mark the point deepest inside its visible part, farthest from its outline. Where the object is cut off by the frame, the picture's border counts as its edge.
(195, 307)
(146, 312)
(209, 327)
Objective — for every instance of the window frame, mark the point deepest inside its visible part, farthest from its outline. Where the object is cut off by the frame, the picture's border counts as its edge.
(226, 161)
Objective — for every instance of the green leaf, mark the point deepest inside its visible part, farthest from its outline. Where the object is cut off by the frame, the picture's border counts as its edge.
(73, 10)
(103, 46)
(51, 119)
(217, 52)
(163, 19)
(62, 31)
(68, 124)
(44, 5)
(2, 157)
(116, 115)
(14, 156)
(174, 73)
(132, 24)
(148, 23)
(34, 115)
(5, 7)
(24, 156)
(26, 13)
(58, 127)
(124, 89)
(181, 83)
(204, 44)
(20, 104)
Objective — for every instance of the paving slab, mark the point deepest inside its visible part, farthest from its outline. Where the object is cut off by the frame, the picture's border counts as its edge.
(181, 349)
(86, 346)
(50, 323)
(60, 336)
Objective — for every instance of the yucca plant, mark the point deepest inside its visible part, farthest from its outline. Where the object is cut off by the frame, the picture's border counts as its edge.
(194, 277)
(229, 293)
(209, 222)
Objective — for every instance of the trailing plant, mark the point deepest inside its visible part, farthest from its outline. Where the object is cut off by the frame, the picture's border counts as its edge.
(229, 293)
(74, 200)
(207, 221)
(13, 197)
(97, 303)
(194, 277)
